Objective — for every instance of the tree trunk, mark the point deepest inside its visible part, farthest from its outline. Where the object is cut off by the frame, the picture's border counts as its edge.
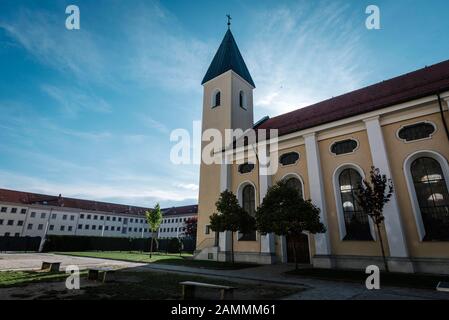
(151, 245)
(232, 247)
(382, 247)
(296, 253)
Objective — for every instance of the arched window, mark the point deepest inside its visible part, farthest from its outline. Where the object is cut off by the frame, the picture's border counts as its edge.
(295, 184)
(416, 131)
(216, 99)
(249, 205)
(248, 199)
(433, 198)
(345, 146)
(356, 221)
(289, 158)
(242, 99)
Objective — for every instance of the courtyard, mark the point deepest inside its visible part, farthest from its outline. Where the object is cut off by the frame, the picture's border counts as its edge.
(19, 279)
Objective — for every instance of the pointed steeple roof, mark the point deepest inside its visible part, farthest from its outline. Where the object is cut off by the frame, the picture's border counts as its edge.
(227, 58)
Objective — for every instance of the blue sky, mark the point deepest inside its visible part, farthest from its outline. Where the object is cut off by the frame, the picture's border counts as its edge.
(88, 113)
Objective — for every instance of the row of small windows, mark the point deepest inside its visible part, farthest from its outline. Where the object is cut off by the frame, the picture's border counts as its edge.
(13, 210)
(174, 220)
(409, 133)
(43, 215)
(216, 99)
(30, 226)
(108, 218)
(180, 229)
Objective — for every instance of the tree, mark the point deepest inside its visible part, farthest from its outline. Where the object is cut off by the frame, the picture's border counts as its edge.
(191, 225)
(154, 219)
(285, 213)
(372, 196)
(231, 217)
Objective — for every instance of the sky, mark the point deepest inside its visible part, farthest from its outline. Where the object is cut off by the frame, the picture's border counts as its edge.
(88, 113)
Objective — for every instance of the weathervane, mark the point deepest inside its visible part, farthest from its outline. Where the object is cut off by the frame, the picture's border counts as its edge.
(229, 20)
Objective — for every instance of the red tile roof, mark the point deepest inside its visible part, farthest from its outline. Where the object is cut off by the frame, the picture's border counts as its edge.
(181, 210)
(414, 85)
(27, 198)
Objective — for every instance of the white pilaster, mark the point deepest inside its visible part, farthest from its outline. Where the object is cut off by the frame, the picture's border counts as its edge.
(322, 243)
(267, 241)
(393, 225)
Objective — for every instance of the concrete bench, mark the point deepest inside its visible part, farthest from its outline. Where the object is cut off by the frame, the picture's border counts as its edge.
(105, 274)
(189, 288)
(50, 266)
(443, 286)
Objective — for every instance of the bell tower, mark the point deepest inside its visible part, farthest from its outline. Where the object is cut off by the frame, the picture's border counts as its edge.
(227, 104)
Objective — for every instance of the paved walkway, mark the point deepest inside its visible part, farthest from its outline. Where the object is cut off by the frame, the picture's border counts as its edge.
(33, 261)
(315, 289)
(269, 274)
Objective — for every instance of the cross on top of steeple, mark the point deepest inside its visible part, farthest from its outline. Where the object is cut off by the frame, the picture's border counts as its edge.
(229, 20)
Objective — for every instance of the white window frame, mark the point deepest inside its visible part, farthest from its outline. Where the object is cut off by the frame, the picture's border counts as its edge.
(212, 100)
(339, 205)
(297, 176)
(240, 200)
(341, 140)
(292, 164)
(244, 105)
(415, 123)
(411, 187)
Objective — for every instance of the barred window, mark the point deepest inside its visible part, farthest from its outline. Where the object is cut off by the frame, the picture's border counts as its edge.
(289, 158)
(246, 168)
(216, 99)
(345, 146)
(356, 220)
(433, 198)
(416, 131)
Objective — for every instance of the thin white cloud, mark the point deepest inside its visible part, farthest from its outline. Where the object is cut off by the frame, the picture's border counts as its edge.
(153, 124)
(187, 186)
(303, 54)
(44, 36)
(72, 101)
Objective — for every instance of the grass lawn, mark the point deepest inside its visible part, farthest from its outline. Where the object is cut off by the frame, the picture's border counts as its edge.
(421, 281)
(160, 258)
(133, 285)
(22, 278)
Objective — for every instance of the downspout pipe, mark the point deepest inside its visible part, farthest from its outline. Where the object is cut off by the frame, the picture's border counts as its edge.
(442, 116)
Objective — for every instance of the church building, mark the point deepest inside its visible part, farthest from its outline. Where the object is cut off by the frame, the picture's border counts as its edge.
(324, 150)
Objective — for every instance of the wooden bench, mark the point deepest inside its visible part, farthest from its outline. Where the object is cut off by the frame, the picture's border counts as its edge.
(50, 266)
(189, 288)
(443, 286)
(105, 274)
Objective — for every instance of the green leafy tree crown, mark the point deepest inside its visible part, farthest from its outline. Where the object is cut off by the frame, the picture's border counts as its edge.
(230, 216)
(285, 212)
(154, 218)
